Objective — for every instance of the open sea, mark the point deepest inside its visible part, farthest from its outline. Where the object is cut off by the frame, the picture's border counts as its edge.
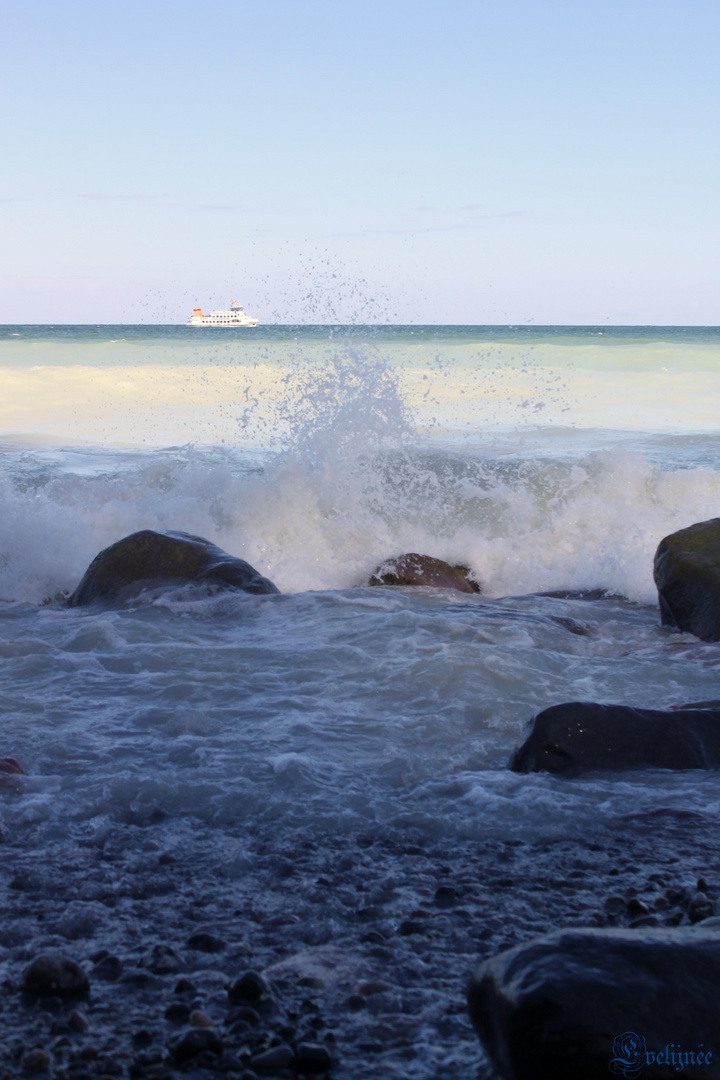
(235, 736)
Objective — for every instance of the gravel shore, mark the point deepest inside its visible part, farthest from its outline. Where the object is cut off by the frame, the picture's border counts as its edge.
(363, 943)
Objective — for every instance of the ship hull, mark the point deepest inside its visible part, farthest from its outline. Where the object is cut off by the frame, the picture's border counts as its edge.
(222, 325)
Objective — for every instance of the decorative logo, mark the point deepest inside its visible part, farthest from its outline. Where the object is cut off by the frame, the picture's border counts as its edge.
(629, 1054)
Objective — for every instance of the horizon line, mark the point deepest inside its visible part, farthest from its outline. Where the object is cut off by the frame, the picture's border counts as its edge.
(509, 325)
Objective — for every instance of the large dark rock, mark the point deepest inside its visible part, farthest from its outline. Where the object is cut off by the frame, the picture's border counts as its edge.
(414, 569)
(583, 735)
(590, 1003)
(146, 559)
(687, 575)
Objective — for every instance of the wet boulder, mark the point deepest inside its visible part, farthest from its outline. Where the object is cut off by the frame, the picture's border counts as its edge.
(687, 575)
(149, 559)
(581, 735)
(414, 569)
(589, 1003)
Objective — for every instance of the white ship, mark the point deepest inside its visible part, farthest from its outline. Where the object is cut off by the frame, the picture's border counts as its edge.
(234, 317)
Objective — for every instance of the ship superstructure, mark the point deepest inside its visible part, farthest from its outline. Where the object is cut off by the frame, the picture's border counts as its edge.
(234, 317)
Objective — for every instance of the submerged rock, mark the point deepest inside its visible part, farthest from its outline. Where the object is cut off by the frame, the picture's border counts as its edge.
(584, 735)
(571, 1003)
(687, 575)
(589, 595)
(10, 766)
(414, 569)
(150, 558)
(571, 625)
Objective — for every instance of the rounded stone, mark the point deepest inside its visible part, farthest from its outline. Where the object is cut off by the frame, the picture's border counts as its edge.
(277, 1057)
(78, 1021)
(416, 569)
(203, 942)
(687, 574)
(637, 907)
(35, 1061)
(55, 975)
(177, 1012)
(445, 896)
(149, 558)
(551, 1006)
(250, 986)
(312, 1058)
(700, 907)
(200, 1019)
(578, 735)
(240, 1028)
(373, 986)
(190, 1044)
(243, 1012)
(355, 1002)
(163, 960)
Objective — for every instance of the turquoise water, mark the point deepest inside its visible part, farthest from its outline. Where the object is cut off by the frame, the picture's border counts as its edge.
(174, 384)
(393, 333)
(639, 349)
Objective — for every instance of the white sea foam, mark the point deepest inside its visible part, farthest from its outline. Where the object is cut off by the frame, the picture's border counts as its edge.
(323, 516)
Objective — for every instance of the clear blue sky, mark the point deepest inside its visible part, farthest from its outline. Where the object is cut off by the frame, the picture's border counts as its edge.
(401, 160)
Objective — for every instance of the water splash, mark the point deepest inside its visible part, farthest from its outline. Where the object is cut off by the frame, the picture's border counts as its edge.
(330, 454)
(350, 403)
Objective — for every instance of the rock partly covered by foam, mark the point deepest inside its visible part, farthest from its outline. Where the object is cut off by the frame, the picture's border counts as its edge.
(148, 558)
(414, 569)
(584, 735)
(571, 1003)
(687, 575)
